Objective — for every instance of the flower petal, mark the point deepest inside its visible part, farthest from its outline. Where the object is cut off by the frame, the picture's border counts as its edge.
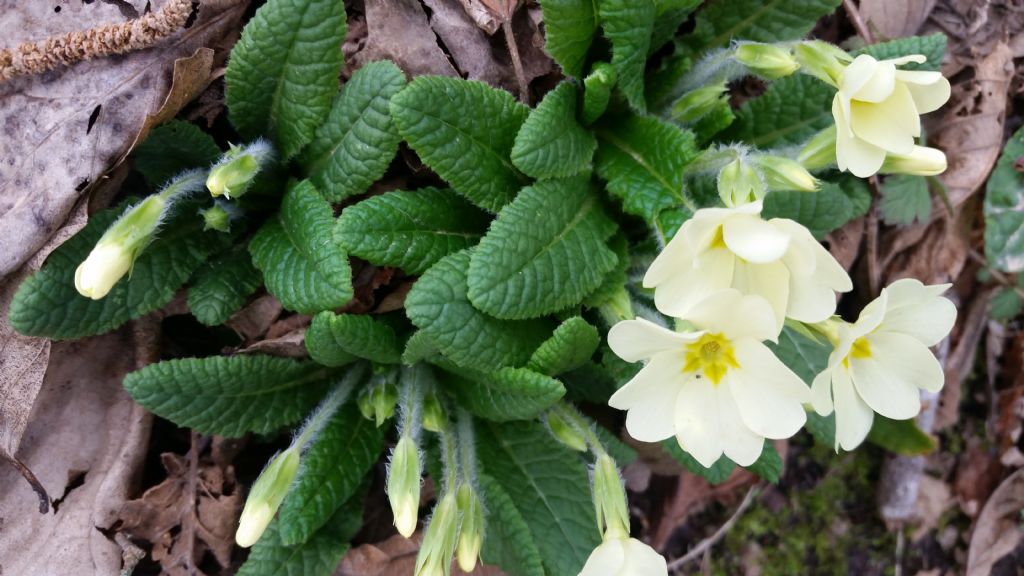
(639, 339)
(698, 423)
(852, 153)
(642, 560)
(919, 311)
(606, 560)
(853, 416)
(908, 360)
(890, 125)
(812, 295)
(677, 255)
(879, 86)
(649, 398)
(857, 74)
(754, 240)
(769, 281)
(737, 316)
(821, 393)
(930, 90)
(915, 58)
(679, 293)
(769, 395)
(887, 386)
(871, 316)
(741, 444)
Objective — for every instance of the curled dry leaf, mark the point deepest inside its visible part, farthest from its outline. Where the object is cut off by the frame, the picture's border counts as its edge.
(395, 556)
(997, 532)
(398, 30)
(895, 19)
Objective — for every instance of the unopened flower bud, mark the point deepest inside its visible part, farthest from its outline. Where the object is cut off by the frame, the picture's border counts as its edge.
(782, 173)
(266, 496)
(610, 499)
(438, 547)
(471, 536)
(403, 485)
(822, 60)
(922, 161)
(234, 172)
(377, 402)
(216, 218)
(739, 184)
(116, 250)
(767, 60)
(696, 103)
(434, 418)
(565, 433)
(820, 150)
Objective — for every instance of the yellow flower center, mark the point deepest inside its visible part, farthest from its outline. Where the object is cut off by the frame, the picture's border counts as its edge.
(861, 349)
(718, 241)
(712, 355)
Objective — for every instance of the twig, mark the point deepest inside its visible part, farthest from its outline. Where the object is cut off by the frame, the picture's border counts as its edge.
(706, 544)
(188, 524)
(517, 63)
(44, 498)
(871, 240)
(858, 22)
(131, 554)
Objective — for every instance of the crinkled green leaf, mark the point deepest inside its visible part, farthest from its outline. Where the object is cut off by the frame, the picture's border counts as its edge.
(615, 281)
(569, 347)
(1006, 304)
(807, 357)
(549, 485)
(900, 436)
(789, 112)
(551, 143)
(628, 25)
(1004, 210)
(643, 160)
(597, 91)
(439, 306)
(932, 46)
(821, 212)
(333, 468)
(464, 130)
(569, 28)
(355, 145)
(230, 395)
(284, 71)
(418, 347)
(172, 148)
(222, 287)
(410, 230)
(722, 21)
(503, 394)
(508, 542)
(670, 15)
(769, 464)
(591, 382)
(904, 199)
(318, 556)
(528, 266)
(856, 189)
(302, 264)
(48, 305)
(718, 473)
(337, 339)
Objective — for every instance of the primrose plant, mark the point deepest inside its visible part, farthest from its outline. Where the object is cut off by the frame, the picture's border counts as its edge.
(632, 240)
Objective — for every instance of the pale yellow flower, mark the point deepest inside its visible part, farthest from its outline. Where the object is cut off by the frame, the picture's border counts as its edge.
(624, 557)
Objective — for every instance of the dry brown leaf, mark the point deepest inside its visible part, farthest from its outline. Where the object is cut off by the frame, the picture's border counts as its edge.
(997, 531)
(395, 556)
(290, 345)
(256, 318)
(895, 19)
(398, 30)
(85, 442)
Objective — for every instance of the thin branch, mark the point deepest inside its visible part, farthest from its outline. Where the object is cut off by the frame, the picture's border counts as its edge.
(705, 545)
(517, 63)
(37, 487)
(858, 22)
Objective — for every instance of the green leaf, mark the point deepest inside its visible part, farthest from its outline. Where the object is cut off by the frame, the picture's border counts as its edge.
(807, 357)
(222, 287)
(551, 143)
(508, 542)
(229, 395)
(823, 428)
(723, 21)
(284, 71)
(643, 161)
(905, 199)
(172, 148)
(503, 394)
(628, 25)
(615, 281)
(821, 212)
(526, 267)
(337, 339)
(789, 112)
(48, 305)
(333, 468)
(418, 347)
(670, 15)
(570, 346)
(318, 556)
(597, 91)
(303, 266)
(857, 191)
(768, 465)
(356, 143)
(410, 230)
(569, 28)
(1005, 305)
(900, 437)
(718, 473)
(1004, 219)
(464, 130)
(623, 454)
(438, 305)
(932, 46)
(589, 383)
(550, 487)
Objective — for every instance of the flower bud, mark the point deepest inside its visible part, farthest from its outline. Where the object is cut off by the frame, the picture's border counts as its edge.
(378, 400)
(403, 485)
(438, 547)
(565, 433)
(232, 174)
(216, 218)
(697, 103)
(820, 150)
(822, 60)
(471, 536)
(116, 250)
(922, 161)
(610, 499)
(739, 184)
(784, 174)
(767, 60)
(266, 496)
(434, 418)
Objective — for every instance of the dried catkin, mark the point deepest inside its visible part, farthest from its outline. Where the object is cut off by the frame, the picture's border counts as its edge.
(37, 57)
